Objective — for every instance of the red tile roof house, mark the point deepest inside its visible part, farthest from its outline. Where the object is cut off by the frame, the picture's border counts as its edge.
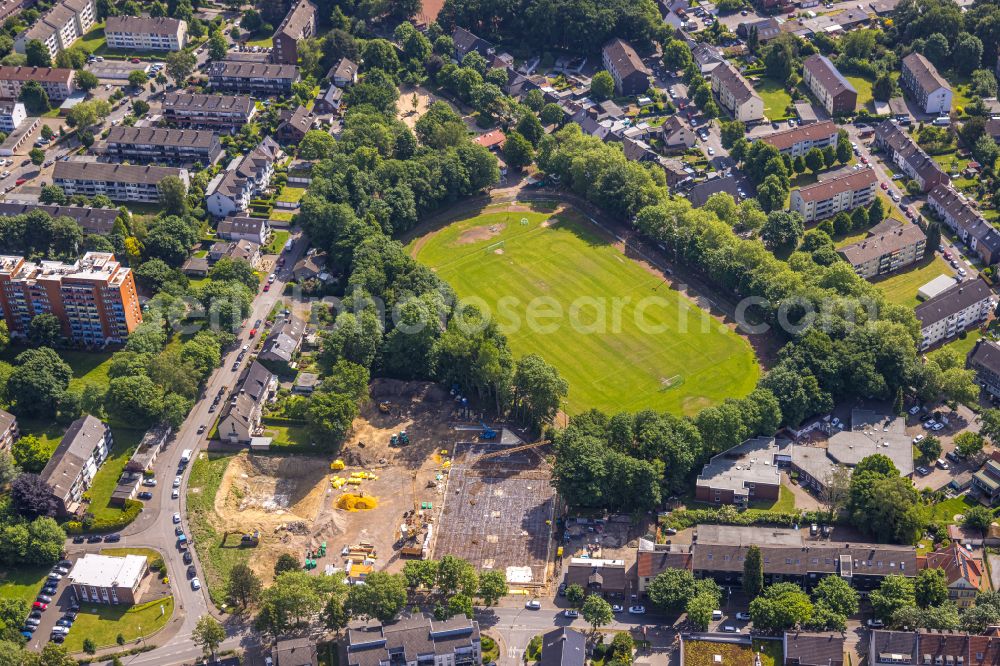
(963, 572)
(494, 140)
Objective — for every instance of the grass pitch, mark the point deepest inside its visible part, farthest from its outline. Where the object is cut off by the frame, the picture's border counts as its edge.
(659, 351)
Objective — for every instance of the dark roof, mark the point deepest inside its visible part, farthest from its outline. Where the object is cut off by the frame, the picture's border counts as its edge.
(895, 642)
(255, 381)
(822, 649)
(827, 74)
(952, 301)
(112, 173)
(92, 220)
(849, 181)
(881, 244)
(345, 69)
(925, 73)
(966, 217)
(241, 103)
(823, 558)
(700, 193)
(889, 133)
(986, 354)
(240, 225)
(610, 577)
(465, 41)
(159, 136)
(297, 18)
(301, 119)
(252, 70)
(7, 420)
(295, 652)
(731, 79)
(786, 138)
(563, 647)
(623, 58)
(75, 447)
(145, 25)
(407, 638)
(651, 563)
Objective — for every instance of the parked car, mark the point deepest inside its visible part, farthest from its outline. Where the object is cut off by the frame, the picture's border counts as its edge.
(637, 610)
(78, 539)
(145, 495)
(149, 482)
(113, 538)
(743, 616)
(534, 604)
(942, 464)
(569, 612)
(50, 590)
(177, 482)
(918, 439)
(952, 456)
(617, 608)
(730, 629)
(40, 605)
(175, 493)
(94, 538)
(32, 622)
(875, 623)
(923, 471)
(177, 518)
(63, 622)
(57, 638)
(195, 584)
(192, 572)
(914, 409)
(187, 557)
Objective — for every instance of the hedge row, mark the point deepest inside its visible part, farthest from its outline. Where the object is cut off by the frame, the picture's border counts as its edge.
(130, 513)
(730, 515)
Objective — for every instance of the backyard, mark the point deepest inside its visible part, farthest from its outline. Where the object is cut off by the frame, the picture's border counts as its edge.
(776, 98)
(901, 288)
(106, 479)
(864, 88)
(102, 623)
(277, 244)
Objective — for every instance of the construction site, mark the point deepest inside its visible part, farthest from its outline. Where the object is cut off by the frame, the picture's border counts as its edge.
(414, 480)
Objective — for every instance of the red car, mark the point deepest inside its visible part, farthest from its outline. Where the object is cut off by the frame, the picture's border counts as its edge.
(20, 181)
(39, 605)
(135, 61)
(946, 255)
(884, 186)
(267, 287)
(253, 332)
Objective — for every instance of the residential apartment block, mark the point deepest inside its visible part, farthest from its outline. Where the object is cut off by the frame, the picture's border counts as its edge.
(165, 146)
(245, 228)
(252, 77)
(284, 340)
(963, 306)
(145, 33)
(414, 640)
(345, 73)
(223, 111)
(118, 182)
(11, 116)
(299, 23)
(802, 648)
(57, 83)
(886, 252)
(963, 573)
(969, 225)
(60, 27)
(652, 559)
(103, 579)
(245, 178)
(921, 79)
(932, 648)
(71, 469)
(833, 91)
(826, 198)
(240, 419)
(736, 94)
(908, 156)
(799, 140)
(8, 430)
(985, 360)
(100, 221)
(626, 68)
(985, 484)
(744, 473)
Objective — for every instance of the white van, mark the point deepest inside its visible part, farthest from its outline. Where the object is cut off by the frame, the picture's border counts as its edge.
(716, 615)
(185, 456)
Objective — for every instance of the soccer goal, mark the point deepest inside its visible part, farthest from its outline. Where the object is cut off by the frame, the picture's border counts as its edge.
(671, 382)
(494, 247)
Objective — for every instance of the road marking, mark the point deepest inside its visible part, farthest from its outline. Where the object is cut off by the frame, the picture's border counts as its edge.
(514, 653)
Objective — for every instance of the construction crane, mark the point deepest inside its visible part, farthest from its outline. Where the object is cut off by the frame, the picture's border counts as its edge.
(513, 449)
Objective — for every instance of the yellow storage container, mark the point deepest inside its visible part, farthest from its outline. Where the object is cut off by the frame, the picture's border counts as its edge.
(337, 464)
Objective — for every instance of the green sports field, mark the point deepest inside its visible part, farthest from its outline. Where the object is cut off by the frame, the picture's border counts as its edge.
(651, 348)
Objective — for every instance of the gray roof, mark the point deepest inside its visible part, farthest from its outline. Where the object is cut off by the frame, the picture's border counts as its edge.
(7, 420)
(113, 173)
(808, 649)
(241, 225)
(986, 354)
(181, 101)
(408, 638)
(301, 119)
(870, 433)
(345, 69)
(966, 217)
(145, 25)
(248, 168)
(925, 74)
(624, 58)
(895, 642)
(159, 136)
(295, 652)
(700, 193)
(297, 18)
(734, 82)
(255, 381)
(880, 244)
(563, 647)
(952, 301)
(786, 138)
(466, 41)
(752, 462)
(848, 181)
(92, 220)
(889, 133)
(827, 74)
(252, 70)
(67, 461)
(284, 340)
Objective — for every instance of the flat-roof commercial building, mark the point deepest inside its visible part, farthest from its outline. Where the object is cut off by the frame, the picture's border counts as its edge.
(960, 308)
(626, 68)
(71, 469)
(160, 145)
(299, 23)
(98, 221)
(833, 91)
(929, 89)
(94, 298)
(415, 640)
(845, 192)
(252, 77)
(908, 156)
(800, 139)
(60, 27)
(56, 82)
(956, 211)
(225, 111)
(118, 182)
(886, 252)
(102, 579)
(145, 33)
(744, 473)
(736, 94)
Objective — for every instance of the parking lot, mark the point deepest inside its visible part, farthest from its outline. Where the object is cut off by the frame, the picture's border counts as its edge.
(53, 611)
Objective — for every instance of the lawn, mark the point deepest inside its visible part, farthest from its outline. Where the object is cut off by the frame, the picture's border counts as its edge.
(287, 435)
(776, 98)
(864, 88)
(291, 194)
(94, 39)
(771, 652)
(264, 41)
(106, 479)
(22, 582)
(785, 502)
(216, 561)
(150, 554)
(901, 288)
(565, 292)
(963, 344)
(89, 368)
(277, 243)
(945, 512)
(102, 623)
(282, 215)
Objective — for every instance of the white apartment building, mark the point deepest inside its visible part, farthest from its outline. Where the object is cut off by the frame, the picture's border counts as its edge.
(736, 94)
(60, 27)
(246, 177)
(11, 116)
(57, 82)
(145, 33)
(827, 198)
(119, 182)
(957, 309)
(73, 465)
(928, 88)
(799, 140)
(886, 252)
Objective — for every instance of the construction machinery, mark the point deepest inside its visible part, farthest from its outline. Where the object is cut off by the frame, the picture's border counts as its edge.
(384, 406)
(250, 538)
(487, 432)
(337, 465)
(399, 439)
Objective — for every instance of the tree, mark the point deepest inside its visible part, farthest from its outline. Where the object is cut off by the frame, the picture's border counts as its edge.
(936, 48)
(335, 616)
(9, 469)
(753, 572)
(32, 497)
(329, 416)
(460, 604)
(135, 399)
(180, 64)
(782, 228)
(140, 107)
(209, 634)
(968, 53)
(968, 443)
(45, 330)
(844, 148)
(455, 574)
(530, 128)
(676, 55)
(173, 195)
(551, 114)
(518, 151)
(236, 270)
(86, 114)
(894, 592)
(382, 597)
(699, 610)
(38, 382)
(492, 587)
(876, 212)
(244, 586)
(814, 159)
(86, 80)
(989, 424)
(138, 79)
(781, 606)
(602, 86)
(316, 144)
(37, 54)
(53, 194)
(575, 595)
(933, 237)
(930, 588)
(37, 156)
(622, 647)
(285, 562)
(217, 45)
(35, 99)
(836, 594)
(930, 447)
(732, 131)
(671, 589)
(596, 611)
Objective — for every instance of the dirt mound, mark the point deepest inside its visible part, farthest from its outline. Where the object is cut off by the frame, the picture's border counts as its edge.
(351, 502)
(476, 234)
